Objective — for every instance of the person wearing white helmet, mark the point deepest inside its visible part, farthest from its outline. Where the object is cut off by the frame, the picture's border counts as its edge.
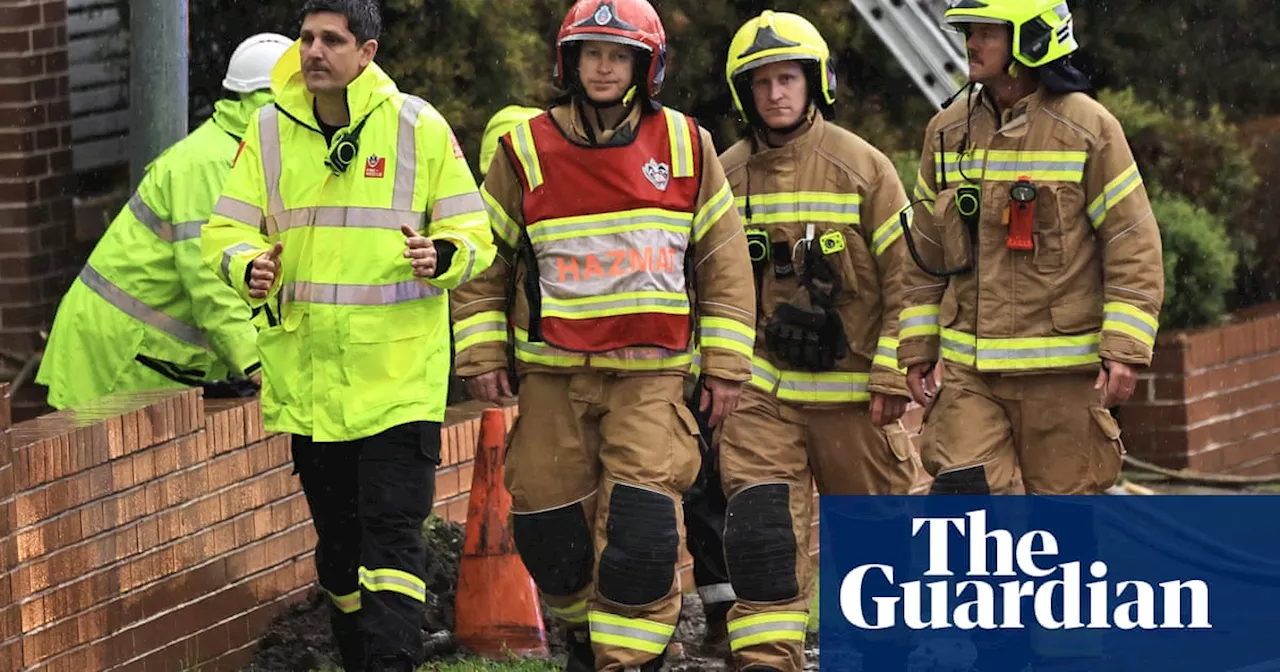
(145, 312)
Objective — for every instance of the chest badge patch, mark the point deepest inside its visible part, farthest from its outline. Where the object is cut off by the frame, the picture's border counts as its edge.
(658, 174)
(375, 166)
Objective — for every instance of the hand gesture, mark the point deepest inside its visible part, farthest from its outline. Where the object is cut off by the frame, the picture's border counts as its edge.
(921, 383)
(722, 398)
(265, 268)
(421, 252)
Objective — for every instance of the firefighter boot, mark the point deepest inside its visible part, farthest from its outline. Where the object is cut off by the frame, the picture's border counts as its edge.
(582, 658)
(346, 630)
(715, 642)
(390, 664)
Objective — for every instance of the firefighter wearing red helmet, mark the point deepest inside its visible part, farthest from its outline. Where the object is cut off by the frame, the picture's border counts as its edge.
(620, 257)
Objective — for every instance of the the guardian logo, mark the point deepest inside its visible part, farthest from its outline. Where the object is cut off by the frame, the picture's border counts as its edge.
(1053, 595)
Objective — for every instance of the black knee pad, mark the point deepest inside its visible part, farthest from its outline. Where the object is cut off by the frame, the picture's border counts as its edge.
(556, 548)
(642, 547)
(760, 544)
(967, 481)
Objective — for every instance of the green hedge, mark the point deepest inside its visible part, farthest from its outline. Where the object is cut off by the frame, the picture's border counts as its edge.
(1198, 263)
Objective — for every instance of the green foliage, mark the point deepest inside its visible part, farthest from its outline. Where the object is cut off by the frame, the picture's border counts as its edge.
(1198, 263)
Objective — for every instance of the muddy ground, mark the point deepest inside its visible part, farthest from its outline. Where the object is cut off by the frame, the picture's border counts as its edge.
(300, 638)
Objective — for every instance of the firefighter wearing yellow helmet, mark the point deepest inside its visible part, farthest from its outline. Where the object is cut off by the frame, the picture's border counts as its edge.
(1039, 276)
(821, 209)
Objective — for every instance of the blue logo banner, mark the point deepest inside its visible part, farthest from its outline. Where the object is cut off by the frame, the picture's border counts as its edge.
(1061, 584)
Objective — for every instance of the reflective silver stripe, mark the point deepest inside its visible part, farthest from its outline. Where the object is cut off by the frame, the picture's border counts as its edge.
(1033, 166)
(230, 252)
(406, 153)
(541, 232)
(139, 310)
(795, 207)
(186, 231)
(767, 627)
(524, 146)
(631, 633)
(359, 295)
(719, 592)
(885, 351)
(630, 261)
(147, 216)
(765, 375)
(1042, 352)
(552, 307)
(959, 347)
(1102, 204)
(471, 261)
(238, 211)
(269, 137)
(453, 206)
(485, 327)
(814, 386)
(353, 217)
(1131, 320)
(680, 131)
(918, 321)
(728, 335)
(712, 211)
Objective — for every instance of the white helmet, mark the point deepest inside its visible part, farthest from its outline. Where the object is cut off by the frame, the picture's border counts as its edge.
(252, 61)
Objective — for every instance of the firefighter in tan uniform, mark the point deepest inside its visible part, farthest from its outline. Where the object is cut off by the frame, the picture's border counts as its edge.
(619, 253)
(821, 210)
(1039, 275)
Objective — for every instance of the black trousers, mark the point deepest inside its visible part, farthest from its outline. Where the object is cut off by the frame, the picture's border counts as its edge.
(704, 512)
(368, 500)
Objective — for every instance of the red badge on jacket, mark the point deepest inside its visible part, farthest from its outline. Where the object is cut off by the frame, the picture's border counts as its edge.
(375, 166)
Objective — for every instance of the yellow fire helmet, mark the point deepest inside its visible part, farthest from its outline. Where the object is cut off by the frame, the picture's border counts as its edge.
(773, 37)
(1042, 29)
(502, 121)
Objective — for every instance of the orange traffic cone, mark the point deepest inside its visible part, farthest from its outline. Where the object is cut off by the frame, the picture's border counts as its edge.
(497, 612)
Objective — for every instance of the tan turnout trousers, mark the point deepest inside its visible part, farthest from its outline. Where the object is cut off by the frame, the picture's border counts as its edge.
(771, 454)
(596, 466)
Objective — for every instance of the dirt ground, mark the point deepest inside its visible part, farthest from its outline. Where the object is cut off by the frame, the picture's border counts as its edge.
(300, 638)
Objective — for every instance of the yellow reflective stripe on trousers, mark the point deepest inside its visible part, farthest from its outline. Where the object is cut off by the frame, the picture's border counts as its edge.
(527, 154)
(1039, 166)
(889, 231)
(727, 334)
(712, 211)
(395, 581)
(887, 354)
(918, 321)
(1130, 321)
(681, 150)
(359, 295)
(487, 327)
(574, 613)
(1019, 354)
(629, 633)
(141, 311)
(347, 604)
(802, 206)
(1123, 185)
(777, 626)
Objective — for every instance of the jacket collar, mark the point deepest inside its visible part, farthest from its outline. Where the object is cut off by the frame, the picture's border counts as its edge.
(233, 115)
(368, 90)
(805, 143)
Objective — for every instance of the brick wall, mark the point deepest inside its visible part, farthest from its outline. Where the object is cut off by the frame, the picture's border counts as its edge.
(1211, 400)
(164, 530)
(38, 254)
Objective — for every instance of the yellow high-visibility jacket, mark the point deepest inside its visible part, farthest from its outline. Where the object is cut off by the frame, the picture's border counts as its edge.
(145, 312)
(358, 344)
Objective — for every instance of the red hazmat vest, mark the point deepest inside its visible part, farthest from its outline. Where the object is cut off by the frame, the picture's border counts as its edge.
(609, 228)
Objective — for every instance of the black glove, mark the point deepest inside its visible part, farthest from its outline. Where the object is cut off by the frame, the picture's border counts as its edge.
(230, 388)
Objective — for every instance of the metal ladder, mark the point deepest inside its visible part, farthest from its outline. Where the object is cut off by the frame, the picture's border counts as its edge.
(912, 30)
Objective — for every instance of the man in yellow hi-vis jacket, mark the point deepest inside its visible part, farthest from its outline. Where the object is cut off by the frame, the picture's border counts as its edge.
(321, 223)
(145, 312)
